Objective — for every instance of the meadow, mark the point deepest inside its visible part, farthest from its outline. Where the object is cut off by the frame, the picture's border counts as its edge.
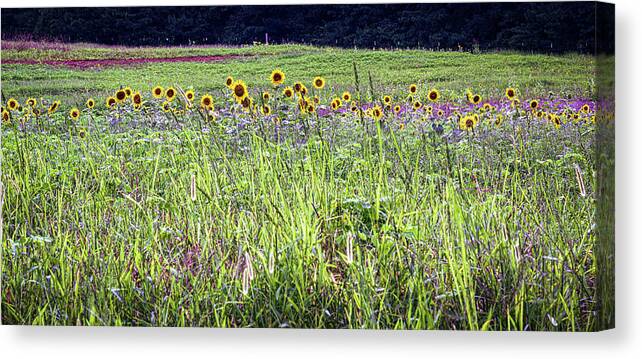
(292, 186)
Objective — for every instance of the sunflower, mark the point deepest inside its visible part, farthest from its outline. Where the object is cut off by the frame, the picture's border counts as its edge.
(82, 133)
(298, 86)
(377, 112)
(475, 99)
(487, 106)
(6, 117)
(166, 106)
(514, 103)
(585, 108)
(170, 94)
(533, 104)
(207, 102)
(137, 99)
(277, 77)
(266, 95)
(54, 106)
(303, 104)
(13, 104)
(288, 92)
(310, 108)
(402, 126)
(346, 96)
(90, 103)
(209, 116)
(433, 95)
(110, 102)
(335, 104)
(413, 88)
(157, 92)
(557, 122)
(397, 109)
(74, 113)
(229, 81)
(189, 95)
(31, 102)
(121, 95)
(304, 90)
(247, 103)
(467, 123)
(239, 90)
(417, 105)
(266, 110)
(128, 91)
(318, 82)
(499, 120)
(387, 99)
(510, 93)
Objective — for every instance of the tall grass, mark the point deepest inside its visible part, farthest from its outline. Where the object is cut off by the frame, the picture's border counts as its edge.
(185, 228)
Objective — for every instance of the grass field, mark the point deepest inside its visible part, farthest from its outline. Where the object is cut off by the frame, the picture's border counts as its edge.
(449, 214)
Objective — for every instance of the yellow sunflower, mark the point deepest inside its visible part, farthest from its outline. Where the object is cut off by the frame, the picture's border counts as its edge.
(137, 99)
(277, 77)
(170, 94)
(110, 102)
(74, 113)
(433, 95)
(54, 107)
(90, 103)
(266, 110)
(467, 123)
(387, 99)
(585, 108)
(266, 96)
(31, 102)
(6, 117)
(510, 93)
(207, 102)
(13, 104)
(499, 120)
(318, 82)
(157, 92)
(377, 112)
(288, 92)
(121, 95)
(239, 90)
(189, 95)
(346, 96)
(413, 88)
(229, 81)
(533, 104)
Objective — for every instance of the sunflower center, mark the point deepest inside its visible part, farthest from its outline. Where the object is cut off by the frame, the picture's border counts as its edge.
(239, 91)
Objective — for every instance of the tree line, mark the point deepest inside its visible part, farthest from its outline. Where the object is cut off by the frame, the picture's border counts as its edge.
(539, 27)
